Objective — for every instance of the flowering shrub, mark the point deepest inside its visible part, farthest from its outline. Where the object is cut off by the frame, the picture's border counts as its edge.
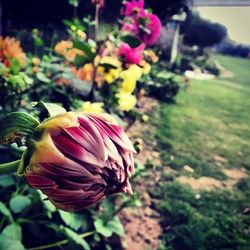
(10, 49)
(114, 66)
(73, 160)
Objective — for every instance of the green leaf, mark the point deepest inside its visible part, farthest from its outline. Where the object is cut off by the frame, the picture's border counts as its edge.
(108, 228)
(15, 126)
(132, 41)
(75, 3)
(19, 203)
(116, 226)
(75, 237)
(81, 86)
(65, 216)
(165, 75)
(27, 79)
(101, 228)
(72, 220)
(38, 41)
(5, 211)
(86, 48)
(47, 204)
(42, 77)
(14, 66)
(6, 181)
(11, 237)
(77, 221)
(51, 108)
(80, 60)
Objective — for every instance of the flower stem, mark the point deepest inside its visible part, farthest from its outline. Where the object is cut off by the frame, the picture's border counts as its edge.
(9, 167)
(60, 243)
(97, 11)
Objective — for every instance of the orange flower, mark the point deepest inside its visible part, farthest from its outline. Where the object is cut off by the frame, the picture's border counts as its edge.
(86, 72)
(10, 49)
(65, 48)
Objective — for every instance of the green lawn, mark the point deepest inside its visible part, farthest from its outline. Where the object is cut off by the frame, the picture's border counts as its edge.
(239, 66)
(210, 119)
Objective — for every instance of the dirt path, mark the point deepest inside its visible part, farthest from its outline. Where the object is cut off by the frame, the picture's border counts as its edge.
(142, 224)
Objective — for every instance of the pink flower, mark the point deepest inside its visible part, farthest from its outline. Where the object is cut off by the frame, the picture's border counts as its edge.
(133, 8)
(131, 55)
(77, 160)
(146, 27)
(152, 29)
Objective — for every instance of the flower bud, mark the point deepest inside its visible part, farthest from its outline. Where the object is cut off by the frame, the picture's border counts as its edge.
(79, 159)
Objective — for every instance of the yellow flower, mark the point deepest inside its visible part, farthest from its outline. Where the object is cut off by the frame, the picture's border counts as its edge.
(152, 56)
(115, 73)
(126, 101)
(136, 71)
(145, 67)
(94, 107)
(9, 49)
(110, 60)
(145, 118)
(36, 61)
(81, 34)
(130, 76)
(111, 75)
(128, 85)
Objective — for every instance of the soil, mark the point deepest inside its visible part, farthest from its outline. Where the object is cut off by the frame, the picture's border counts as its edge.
(142, 224)
(209, 184)
(204, 183)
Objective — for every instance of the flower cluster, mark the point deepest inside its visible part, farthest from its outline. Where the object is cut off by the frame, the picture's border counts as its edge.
(65, 48)
(118, 64)
(10, 49)
(140, 22)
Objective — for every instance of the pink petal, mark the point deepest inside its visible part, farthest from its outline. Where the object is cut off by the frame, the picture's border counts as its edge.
(74, 150)
(87, 125)
(114, 132)
(40, 182)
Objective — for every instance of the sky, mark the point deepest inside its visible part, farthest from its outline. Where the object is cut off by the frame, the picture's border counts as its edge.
(236, 19)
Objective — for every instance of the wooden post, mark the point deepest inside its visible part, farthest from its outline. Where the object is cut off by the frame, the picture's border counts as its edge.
(174, 51)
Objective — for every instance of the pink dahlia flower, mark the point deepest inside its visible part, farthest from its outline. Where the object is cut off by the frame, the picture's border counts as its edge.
(152, 29)
(146, 27)
(133, 8)
(79, 159)
(131, 55)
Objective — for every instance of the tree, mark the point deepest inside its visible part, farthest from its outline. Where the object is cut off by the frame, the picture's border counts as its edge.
(202, 32)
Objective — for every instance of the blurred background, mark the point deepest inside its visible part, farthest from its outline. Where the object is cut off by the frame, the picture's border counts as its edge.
(190, 126)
